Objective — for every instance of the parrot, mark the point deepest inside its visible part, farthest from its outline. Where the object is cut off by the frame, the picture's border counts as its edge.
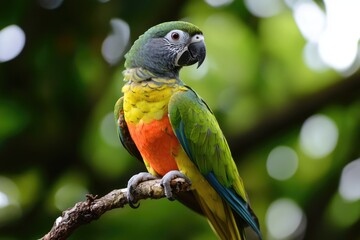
(165, 124)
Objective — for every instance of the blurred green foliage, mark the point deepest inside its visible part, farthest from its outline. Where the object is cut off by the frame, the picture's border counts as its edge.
(58, 139)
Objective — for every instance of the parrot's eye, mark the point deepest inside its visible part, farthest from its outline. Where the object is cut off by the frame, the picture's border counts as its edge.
(175, 36)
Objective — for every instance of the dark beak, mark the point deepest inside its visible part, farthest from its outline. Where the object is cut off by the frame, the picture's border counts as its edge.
(195, 53)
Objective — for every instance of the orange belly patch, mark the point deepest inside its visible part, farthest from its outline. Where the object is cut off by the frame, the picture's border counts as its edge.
(157, 144)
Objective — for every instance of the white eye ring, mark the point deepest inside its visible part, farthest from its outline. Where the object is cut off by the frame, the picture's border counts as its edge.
(175, 36)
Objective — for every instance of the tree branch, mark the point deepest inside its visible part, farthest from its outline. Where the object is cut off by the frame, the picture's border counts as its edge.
(93, 208)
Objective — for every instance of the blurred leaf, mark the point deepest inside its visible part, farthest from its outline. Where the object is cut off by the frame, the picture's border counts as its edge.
(14, 118)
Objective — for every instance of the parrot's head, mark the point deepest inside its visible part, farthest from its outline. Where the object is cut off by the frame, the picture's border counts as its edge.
(165, 48)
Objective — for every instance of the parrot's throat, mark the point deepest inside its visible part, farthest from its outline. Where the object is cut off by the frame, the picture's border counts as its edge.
(137, 74)
(140, 74)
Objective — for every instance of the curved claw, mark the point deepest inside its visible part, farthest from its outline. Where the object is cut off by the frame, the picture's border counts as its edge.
(133, 182)
(167, 178)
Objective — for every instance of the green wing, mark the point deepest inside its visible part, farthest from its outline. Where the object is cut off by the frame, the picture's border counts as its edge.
(202, 139)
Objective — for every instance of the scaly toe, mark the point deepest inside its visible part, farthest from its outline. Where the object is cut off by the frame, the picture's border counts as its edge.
(133, 182)
(167, 178)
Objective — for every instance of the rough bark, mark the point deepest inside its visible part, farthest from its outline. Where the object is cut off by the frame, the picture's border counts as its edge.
(93, 208)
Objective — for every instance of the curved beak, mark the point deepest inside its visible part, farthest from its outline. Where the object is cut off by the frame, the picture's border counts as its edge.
(194, 53)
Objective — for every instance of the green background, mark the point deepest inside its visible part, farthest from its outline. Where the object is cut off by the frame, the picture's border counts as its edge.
(58, 140)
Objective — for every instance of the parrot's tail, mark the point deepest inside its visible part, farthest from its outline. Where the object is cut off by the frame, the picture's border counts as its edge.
(222, 220)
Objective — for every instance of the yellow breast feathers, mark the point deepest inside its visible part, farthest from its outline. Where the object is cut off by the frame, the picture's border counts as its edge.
(148, 100)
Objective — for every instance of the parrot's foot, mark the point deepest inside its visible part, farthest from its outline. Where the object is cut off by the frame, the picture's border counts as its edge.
(133, 183)
(165, 182)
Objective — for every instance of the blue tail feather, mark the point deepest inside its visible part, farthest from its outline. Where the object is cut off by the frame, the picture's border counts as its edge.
(235, 201)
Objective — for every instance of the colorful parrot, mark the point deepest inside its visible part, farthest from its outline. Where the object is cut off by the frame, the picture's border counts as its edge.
(169, 127)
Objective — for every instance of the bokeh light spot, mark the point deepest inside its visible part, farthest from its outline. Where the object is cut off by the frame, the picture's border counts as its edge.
(50, 4)
(9, 189)
(285, 219)
(338, 45)
(218, 3)
(310, 19)
(10, 208)
(264, 8)
(350, 181)
(12, 41)
(114, 45)
(282, 163)
(318, 136)
(4, 200)
(338, 51)
(334, 32)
